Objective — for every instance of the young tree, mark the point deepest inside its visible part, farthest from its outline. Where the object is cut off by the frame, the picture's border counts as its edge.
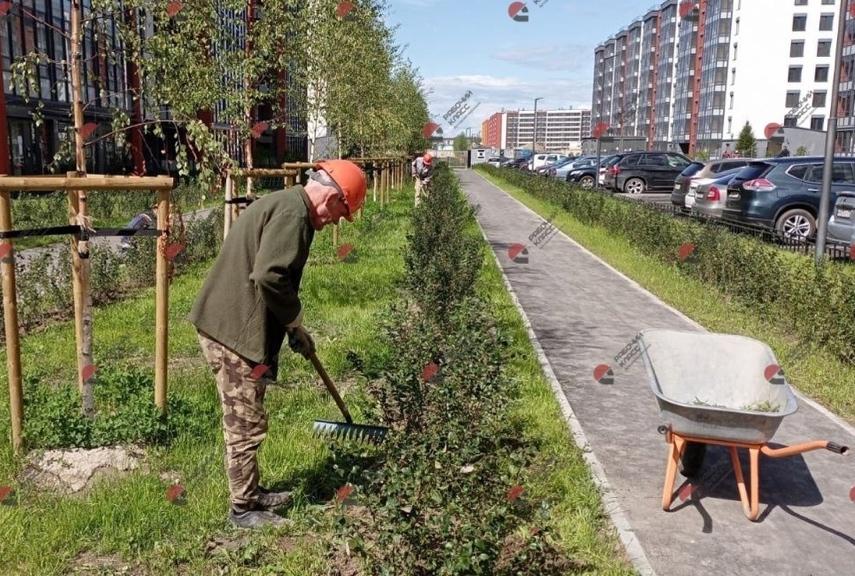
(746, 143)
(461, 142)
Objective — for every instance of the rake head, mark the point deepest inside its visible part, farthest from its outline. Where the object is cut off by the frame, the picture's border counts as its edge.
(345, 431)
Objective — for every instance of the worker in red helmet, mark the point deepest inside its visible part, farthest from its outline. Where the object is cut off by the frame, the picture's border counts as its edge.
(247, 306)
(422, 171)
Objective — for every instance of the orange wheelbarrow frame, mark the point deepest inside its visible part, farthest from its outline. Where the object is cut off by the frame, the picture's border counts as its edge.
(750, 496)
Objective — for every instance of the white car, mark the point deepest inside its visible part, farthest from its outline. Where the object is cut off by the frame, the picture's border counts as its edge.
(541, 160)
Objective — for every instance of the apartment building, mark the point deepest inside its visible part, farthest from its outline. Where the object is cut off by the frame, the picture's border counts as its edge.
(557, 130)
(36, 26)
(709, 66)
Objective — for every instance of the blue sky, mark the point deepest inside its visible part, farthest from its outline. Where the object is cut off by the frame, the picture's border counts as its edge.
(461, 45)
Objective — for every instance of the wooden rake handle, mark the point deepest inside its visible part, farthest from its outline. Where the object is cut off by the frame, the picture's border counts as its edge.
(319, 368)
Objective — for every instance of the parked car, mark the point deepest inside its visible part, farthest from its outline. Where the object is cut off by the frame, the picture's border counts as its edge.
(552, 169)
(841, 225)
(639, 172)
(606, 167)
(701, 170)
(711, 194)
(783, 193)
(586, 176)
(539, 160)
(562, 171)
(498, 161)
(518, 164)
(696, 183)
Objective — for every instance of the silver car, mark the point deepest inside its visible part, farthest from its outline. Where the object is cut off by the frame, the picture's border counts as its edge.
(841, 225)
(562, 171)
(711, 195)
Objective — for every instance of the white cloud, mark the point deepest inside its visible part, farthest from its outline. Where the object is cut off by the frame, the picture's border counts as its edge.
(497, 92)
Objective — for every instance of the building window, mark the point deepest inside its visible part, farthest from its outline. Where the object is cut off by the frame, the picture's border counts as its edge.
(735, 51)
(799, 22)
(823, 48)
(821, 74)
(736, 28)
(826, 22)
(801, 3)
(731, 100)
(797, 48)
(817, 123)
(828, 2)
(795, 74)
(732, 76)
(793, 99)
(818, 99)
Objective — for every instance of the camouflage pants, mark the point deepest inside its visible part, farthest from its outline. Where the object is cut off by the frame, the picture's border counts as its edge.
(420, 189)
(244, 418)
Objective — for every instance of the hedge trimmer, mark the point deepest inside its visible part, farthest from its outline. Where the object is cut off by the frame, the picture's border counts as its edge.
(347, 430)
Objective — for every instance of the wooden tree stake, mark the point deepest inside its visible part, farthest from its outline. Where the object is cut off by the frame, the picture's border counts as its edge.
(161, 351)
(10, 320)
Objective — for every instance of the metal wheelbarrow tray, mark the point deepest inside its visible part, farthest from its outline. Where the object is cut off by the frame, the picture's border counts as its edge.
(724, 390)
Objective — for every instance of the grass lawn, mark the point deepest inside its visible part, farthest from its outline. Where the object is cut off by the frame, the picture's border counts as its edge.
(130, 522)
(813, 371)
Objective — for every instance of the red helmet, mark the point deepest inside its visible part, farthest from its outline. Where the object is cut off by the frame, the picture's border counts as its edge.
(427, 158)
(351, 179)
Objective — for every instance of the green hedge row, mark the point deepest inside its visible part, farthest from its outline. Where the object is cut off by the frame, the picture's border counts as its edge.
(815, 303)
(446, 496)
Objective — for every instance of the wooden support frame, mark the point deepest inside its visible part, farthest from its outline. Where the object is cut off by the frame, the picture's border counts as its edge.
(72, 183)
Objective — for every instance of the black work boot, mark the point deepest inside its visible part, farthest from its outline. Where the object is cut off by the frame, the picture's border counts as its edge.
(254, 518)
(270, 500)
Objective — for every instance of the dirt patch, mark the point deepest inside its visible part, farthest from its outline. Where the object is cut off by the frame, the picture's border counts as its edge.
(91, 564)
(226, 544)
(344, 563)
(77, 470)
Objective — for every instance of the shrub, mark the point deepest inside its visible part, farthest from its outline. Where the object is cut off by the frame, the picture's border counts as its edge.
(815, 303)
(442, 496)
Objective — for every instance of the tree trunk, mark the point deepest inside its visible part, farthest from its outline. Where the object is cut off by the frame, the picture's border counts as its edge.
(136, 101)
(78, 212)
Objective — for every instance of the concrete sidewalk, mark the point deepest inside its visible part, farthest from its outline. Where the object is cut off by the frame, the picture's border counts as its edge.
(583, 313)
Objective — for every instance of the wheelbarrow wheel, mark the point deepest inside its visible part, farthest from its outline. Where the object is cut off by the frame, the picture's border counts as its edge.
(693, 459)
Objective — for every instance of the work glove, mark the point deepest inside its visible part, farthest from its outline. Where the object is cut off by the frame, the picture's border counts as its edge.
(300, 341)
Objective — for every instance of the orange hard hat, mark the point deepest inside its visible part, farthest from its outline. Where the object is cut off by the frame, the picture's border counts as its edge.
(351, 179)
(427, 158)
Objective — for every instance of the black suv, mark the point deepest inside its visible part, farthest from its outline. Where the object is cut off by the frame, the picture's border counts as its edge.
(639, 172)
(783, 193)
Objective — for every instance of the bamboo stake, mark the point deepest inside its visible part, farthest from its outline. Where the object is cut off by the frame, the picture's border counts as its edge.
(80, 264)
(382, 184)
(161, 328)
(10, 319)
(374, 182)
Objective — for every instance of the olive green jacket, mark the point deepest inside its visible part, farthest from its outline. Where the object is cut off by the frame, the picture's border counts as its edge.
(251, 293)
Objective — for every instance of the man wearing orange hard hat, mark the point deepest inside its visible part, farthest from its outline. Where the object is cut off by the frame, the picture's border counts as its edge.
(247, 306)
(422, 171)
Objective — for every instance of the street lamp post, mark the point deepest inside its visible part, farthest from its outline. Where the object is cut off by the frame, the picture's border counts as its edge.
(830, 138)
(534, 137)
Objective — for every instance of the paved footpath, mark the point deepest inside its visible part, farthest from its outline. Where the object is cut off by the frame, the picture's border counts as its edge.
(582, 313)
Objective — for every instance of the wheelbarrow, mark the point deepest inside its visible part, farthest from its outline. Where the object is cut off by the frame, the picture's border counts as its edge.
(724, 390)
